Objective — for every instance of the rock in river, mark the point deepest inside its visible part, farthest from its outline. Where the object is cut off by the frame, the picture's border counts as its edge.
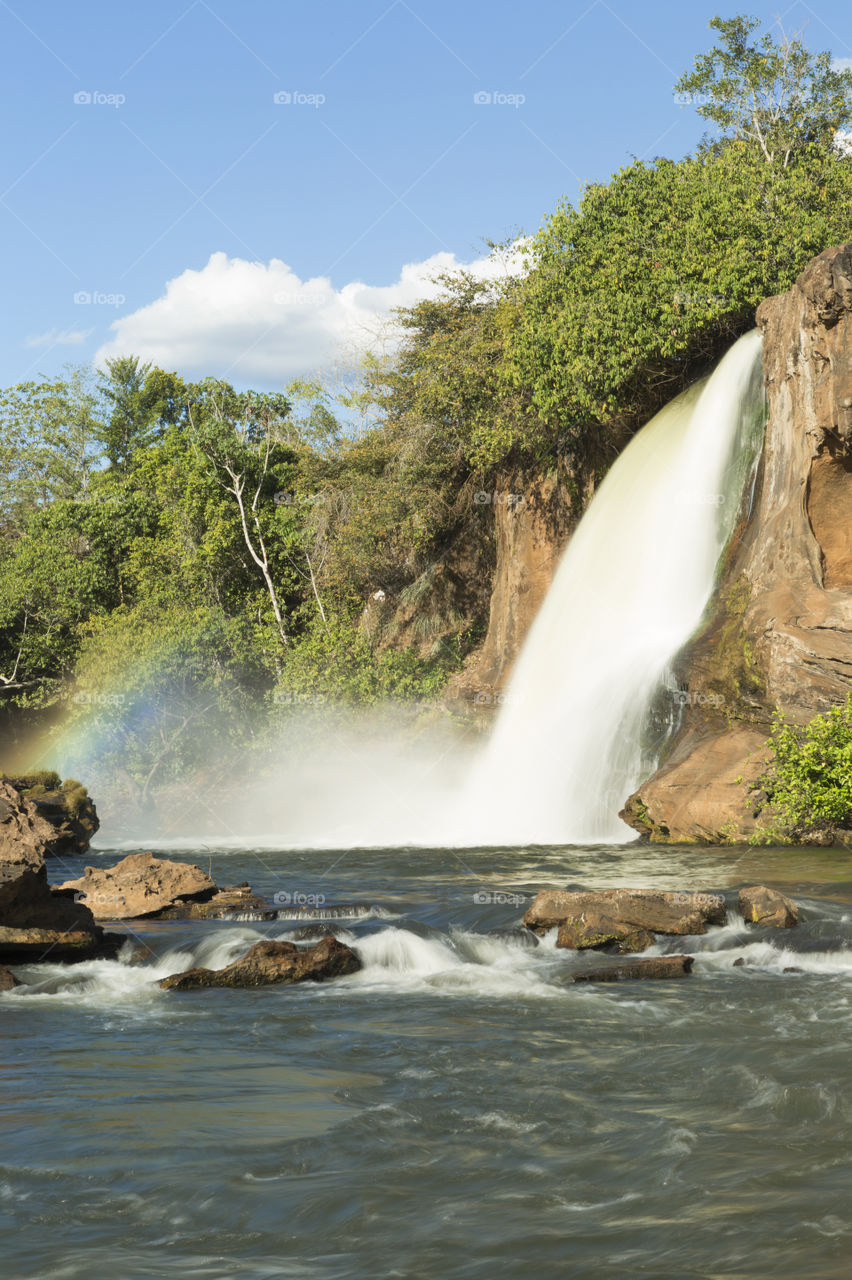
(36, 922)
(654, 967)
(140, 885)
(273, 962)
(626, 919)
(760, 905)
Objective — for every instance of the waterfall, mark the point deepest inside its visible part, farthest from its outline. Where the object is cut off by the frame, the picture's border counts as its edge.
(570, 743)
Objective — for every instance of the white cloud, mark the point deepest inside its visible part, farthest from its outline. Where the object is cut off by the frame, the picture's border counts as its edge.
(59, 338)
(843, 142)
(259, 323)
(841, 64)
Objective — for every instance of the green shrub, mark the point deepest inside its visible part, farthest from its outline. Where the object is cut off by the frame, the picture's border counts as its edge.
(809, 782)
(36, 783)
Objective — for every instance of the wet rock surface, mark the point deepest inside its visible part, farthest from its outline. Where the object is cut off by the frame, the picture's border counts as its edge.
(268, 963)
(657, 967)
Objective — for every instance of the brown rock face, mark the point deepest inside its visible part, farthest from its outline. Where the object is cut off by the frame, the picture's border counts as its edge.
(35, 922)
(759, 905)
(532, 521)
(703, 784)
(625, 919)
(24, 835)
(68, 812)
(781, 632)
(654, 967)
(140, 885)
(34, 946)
(267, 963)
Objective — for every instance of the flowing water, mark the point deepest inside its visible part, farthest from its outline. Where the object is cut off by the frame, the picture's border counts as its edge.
(458, 1109)
(631, 588)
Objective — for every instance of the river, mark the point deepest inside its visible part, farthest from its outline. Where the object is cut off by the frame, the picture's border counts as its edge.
(458, 1108)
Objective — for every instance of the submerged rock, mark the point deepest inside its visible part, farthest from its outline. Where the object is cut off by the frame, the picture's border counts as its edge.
(626, 919)
(760, 905)
(654, 967)
(140, 885)
(267, 963)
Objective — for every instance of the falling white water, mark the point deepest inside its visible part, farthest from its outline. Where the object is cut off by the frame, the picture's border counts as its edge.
(629, 592)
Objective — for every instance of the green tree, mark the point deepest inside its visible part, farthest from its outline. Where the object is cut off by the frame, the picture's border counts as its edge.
(141, 402)
(49, 444)
(774, 92)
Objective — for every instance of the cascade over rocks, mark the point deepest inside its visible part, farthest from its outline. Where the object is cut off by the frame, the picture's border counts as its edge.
(780, 632)
(273, 962)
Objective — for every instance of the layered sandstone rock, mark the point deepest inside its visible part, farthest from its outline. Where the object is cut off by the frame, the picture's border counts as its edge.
(141, 885)
(780, 634)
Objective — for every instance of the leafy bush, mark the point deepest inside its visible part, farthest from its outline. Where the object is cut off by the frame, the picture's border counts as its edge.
(337, 663)
(809, 782)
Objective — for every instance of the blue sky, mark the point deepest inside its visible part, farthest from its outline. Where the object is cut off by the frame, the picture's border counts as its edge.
(285, 226)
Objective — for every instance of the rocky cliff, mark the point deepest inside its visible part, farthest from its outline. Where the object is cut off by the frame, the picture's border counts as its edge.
(780, 632)
(533, 517)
